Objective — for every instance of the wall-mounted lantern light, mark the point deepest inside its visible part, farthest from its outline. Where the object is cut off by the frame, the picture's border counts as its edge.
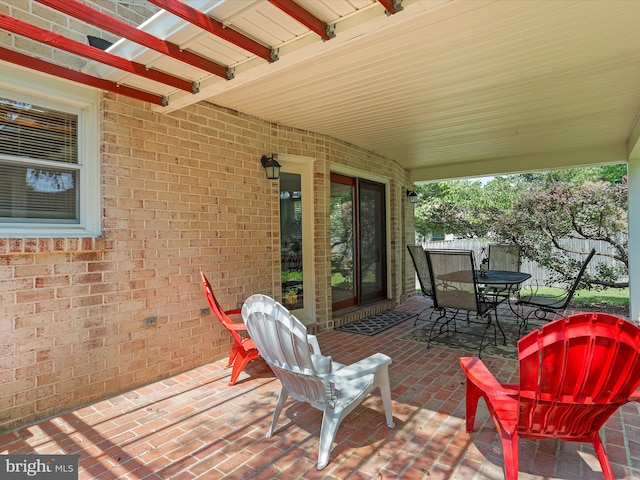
(412, 196)
(271, 167)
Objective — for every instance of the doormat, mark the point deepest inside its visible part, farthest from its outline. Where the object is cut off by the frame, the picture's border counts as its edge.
(376, 323)
(468, 335)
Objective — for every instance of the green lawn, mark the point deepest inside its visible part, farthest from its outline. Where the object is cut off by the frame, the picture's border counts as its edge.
(613, 296)
(610, 296)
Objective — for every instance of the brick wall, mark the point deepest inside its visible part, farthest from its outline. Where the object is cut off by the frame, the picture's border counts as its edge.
(181, 192)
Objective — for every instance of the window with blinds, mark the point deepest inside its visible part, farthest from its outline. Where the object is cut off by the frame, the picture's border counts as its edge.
(39, 164)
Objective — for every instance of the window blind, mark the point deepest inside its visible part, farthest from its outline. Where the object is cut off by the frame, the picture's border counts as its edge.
(39, 162)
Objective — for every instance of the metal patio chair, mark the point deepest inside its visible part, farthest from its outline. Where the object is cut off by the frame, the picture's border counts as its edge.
(421, 266)
(505, 258)
(541, 305)
(455, 289)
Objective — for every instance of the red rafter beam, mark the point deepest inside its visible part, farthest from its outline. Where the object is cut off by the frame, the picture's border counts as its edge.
(78, 77)
(392, 6)
(113, 25)
(58, 41)
(303, 16)
(205, 22)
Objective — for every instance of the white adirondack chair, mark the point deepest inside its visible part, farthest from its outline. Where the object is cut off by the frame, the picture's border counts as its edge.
(307, 375)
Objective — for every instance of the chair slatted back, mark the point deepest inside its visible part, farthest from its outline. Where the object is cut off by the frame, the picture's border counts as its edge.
(454, 279)
(219, 313)
(591, 360)
(282, 342)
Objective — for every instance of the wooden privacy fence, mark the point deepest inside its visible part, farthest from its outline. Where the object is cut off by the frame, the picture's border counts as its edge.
(538, 273)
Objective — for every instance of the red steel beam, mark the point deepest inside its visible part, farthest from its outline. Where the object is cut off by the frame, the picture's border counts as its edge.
(78, 77)
(211, 25)
(303, 16)
(58, 41)
(113, 25)
(392, 6)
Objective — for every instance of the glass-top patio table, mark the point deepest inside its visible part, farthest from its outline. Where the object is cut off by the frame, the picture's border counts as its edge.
(502, 277)
(490, 277)
(503, 283)
(455, 290)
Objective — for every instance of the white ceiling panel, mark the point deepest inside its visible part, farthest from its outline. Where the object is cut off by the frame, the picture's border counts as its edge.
(437, 84)
(330, 11)
(268, 24)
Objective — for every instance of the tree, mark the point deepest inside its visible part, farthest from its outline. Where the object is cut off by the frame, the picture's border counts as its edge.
(464, 208)
(342, 235)
(539, 211)
(607, 173)
(545, 216)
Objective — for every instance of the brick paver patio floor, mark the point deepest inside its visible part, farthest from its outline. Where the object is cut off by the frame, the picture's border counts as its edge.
(194, 425)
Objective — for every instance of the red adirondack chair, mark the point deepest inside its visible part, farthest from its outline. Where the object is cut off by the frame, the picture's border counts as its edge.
(574, 374)
(243, 350)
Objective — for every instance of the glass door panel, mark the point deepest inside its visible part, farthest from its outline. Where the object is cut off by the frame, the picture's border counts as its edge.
(358, 241)
(291, 264)
(296, 237)
(344, 279)
(373, 262)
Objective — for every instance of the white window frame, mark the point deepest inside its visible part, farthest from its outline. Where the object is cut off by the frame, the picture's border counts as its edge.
(27, 86)
(303, 166)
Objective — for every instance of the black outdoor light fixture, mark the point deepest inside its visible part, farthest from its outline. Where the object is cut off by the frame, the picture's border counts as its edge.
(271, 166)
(412, 196)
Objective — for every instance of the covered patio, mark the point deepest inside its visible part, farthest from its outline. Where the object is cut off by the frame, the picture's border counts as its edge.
(108, 349)
(193, 425)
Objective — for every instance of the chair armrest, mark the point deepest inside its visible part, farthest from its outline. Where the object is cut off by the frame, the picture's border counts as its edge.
(236, 326)
(368, 365)
(479, 374)
(532, 287)
(313, 343)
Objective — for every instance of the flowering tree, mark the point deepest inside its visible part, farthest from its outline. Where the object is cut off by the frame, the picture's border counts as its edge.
(539, 211)
(544, 217)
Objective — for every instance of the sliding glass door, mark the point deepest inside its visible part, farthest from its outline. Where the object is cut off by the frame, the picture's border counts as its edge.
(358, 241)
(373, 240)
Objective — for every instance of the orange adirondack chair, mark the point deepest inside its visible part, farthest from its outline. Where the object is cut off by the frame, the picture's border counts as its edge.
(243, 350)
(574, 374)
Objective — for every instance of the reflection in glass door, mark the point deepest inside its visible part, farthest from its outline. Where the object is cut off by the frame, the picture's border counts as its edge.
(373, 264)
(291, 241)
(296, 237)
(343, 248)
(358, 241)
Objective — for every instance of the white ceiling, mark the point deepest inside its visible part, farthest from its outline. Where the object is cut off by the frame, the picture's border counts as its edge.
(446, 88)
